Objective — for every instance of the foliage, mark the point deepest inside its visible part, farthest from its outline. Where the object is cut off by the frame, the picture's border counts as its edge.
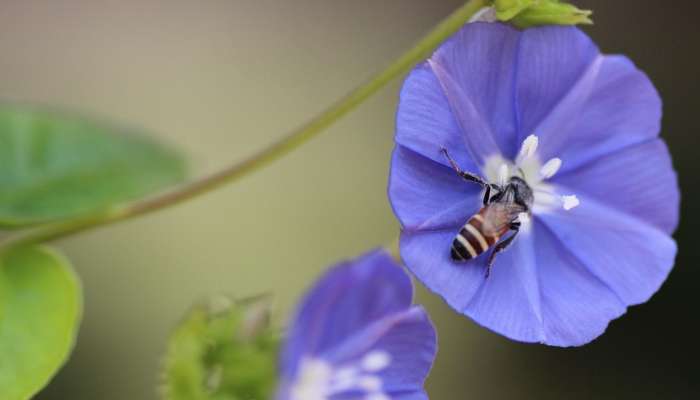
(40, 310)
(55, 166)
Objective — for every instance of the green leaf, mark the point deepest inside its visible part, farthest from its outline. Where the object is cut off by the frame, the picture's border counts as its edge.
(222, 351)
(55, 166)
(40, 310)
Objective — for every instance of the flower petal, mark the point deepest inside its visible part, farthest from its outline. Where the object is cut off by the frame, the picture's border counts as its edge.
(348, 298)
(629, 255)
(425, 122)
(576, 305)
(475, 69)
(556, 69)
(428, 195)
(507, 301)
(623, 109)
(427, 254)
(462, 98)
(581, 104)
(537, 291)
(407, 338)
(638, 180)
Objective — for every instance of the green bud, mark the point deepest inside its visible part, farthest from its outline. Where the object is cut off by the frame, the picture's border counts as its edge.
(527, 13)
(508, 9)
(223, 349)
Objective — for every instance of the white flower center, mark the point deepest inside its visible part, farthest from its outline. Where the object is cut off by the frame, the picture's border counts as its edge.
(528, 166)
(319, 380)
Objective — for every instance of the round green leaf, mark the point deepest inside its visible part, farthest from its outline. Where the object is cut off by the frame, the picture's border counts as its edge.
(55, 166)
(40, 310)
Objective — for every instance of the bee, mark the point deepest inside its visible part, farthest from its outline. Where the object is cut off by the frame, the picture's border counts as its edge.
(502, 206)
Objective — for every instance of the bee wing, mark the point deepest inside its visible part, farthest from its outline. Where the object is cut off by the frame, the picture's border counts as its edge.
(497, 219)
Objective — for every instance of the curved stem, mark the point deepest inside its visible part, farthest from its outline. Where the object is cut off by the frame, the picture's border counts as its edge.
(276, 150)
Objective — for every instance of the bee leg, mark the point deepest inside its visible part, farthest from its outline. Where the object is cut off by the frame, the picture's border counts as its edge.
(468, 176)
(500, 247)
(492, 188)
(487, 194)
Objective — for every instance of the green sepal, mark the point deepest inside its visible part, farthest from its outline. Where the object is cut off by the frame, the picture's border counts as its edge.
(508, 9)
(529, 13)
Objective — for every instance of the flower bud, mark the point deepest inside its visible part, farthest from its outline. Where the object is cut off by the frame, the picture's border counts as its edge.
(527, 13)
(223, 348)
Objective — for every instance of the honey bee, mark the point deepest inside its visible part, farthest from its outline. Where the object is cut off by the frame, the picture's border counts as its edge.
(502, 206)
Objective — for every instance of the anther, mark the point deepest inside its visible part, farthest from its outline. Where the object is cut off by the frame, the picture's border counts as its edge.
(570, 202)
(529, 147)
(376, 361)
(550, 168)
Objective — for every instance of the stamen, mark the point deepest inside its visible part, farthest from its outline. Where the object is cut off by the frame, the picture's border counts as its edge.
(528, 166)
(376, 361)
(550, 168)
(319, 380)
(313, 380)
(529, 148)
(570, 201)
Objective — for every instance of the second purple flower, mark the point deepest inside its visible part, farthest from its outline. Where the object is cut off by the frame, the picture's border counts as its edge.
(356, 336)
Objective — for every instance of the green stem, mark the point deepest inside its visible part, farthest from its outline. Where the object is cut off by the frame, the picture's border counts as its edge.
(277, 150)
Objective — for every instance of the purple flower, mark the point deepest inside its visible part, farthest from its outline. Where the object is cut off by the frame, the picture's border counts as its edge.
(356, 336)
(581, 129)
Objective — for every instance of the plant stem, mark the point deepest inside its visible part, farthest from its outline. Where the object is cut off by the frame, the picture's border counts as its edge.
(276, 150)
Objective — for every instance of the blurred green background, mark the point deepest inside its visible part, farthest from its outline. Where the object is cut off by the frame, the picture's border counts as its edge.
(220, 79)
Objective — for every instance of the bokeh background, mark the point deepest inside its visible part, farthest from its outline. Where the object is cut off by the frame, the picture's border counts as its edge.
(221, 78)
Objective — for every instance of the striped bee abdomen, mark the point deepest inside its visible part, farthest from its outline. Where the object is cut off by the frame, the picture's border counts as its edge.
(471, 239)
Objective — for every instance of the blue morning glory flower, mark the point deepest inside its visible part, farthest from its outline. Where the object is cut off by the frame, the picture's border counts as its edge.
(356, 336)
(581, 130)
